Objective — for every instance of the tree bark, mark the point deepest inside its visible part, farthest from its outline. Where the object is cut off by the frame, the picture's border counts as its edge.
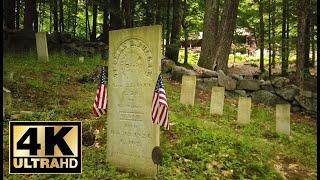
(149, 12)
(35, 17)
(29, 15)
(273, 29)
(261, 39)
(226, 30)
(284, 62)
(61, 21)
(172, 51)
(127, 12)
(210, 30)
(55, 16)
(168, 23)
(10, 6)
(93, 37)
(302, 10)
(105, 37)
(158, 11)
(269, 38)
(115, 15)
(185, 30)
(75, 19)
(313, 41)
(87, 19)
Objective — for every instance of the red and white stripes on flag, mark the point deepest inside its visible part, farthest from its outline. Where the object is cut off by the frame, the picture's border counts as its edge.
(160, 108)
(100, 102)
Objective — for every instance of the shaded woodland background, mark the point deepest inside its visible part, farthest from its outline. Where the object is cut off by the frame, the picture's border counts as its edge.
(281, 28)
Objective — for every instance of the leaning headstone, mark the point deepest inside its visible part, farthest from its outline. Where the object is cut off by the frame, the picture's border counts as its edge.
(283, 119)
(81, 59)
(7, 101)
(188, 89)
(217, 100)
(244, 110)
(42, 47)
(134, 66)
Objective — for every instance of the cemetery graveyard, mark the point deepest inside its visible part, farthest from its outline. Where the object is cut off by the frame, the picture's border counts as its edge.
(239, 121)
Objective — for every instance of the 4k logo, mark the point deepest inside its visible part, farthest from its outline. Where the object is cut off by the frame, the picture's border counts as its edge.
(45, 147)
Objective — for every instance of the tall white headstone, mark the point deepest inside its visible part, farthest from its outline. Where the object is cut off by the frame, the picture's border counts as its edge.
(42, 47)
(244, 110)
(283, 119)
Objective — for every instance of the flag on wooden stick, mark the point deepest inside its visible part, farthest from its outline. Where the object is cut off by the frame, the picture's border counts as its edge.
(100, 103)
(160, 108)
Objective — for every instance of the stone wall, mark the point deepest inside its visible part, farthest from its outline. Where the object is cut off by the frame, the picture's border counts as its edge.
(270, 92)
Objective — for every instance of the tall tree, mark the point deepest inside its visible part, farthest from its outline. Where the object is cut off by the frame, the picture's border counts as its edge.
(10, 13)
(273, 31)
(218, 46)
(29, 15)
(87, 19)
(93, 36)
(210, 30)
(313, 19)
(284, 62)
(61, 20)
(128, 6)
(105, 28)
(115, 15)
(149, 12)
(158, 11)
(269, 37)
(261, 33)
(185, 31)
(302, 51)
(172, 51)
(55, 15)
(168, 7)
(75, 14)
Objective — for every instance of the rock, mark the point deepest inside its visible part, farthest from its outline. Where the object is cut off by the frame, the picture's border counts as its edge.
(266, 97)
(227, 82)
(249, 84)
(308, 103)
(179, 71)
(207, 83)
(205, 73)
(279, 82)
(167, 65)
(288, 92)
(241, 93)
(237, 77)
(266, 85)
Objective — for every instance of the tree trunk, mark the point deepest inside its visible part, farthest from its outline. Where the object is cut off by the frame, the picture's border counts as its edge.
(115, 15)
(273, 29)
(284, 62)
(10, 6)
(18, 14)
(127, 12)
(168, 23)
(210, 30)
(158, 11)
(28, 15)
(313, 34)
(75, 19)
(261, 42)
(105, 37)
(149, 15)
(87, 19)
(226, 30)
(61, 22)
(269, 38)
(35, 17)
(55, 16)
(93, 37)
(173, 50)
(307, 46)
(302, 12)
(185, 30)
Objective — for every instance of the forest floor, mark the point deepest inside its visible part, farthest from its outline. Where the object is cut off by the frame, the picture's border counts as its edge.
(198, 145)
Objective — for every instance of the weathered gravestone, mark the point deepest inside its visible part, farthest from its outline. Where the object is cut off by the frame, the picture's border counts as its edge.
(134, 66)
(42, 47)
(217, 100)
(188, 89)
(7, 101)
(244, 110)
(283, 119)
(81, 59)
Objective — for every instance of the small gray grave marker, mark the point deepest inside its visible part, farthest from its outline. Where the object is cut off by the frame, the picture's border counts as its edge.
(244, 110)
(217, 100)
(188, 90)
(283, 119)
(42, 47)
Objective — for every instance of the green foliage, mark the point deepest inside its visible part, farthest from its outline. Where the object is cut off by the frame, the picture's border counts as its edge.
(198, 145)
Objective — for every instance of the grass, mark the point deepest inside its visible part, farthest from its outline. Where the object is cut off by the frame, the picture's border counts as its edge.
(198, 145)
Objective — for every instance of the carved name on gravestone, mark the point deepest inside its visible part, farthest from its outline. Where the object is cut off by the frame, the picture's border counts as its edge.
(283, 118)
(217, 100)
(244, 110)
(188, 90)
(42, 47)
(134, 66)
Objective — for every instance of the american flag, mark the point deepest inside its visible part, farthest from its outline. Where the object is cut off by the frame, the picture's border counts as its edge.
(100, 103)
(160, 106)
